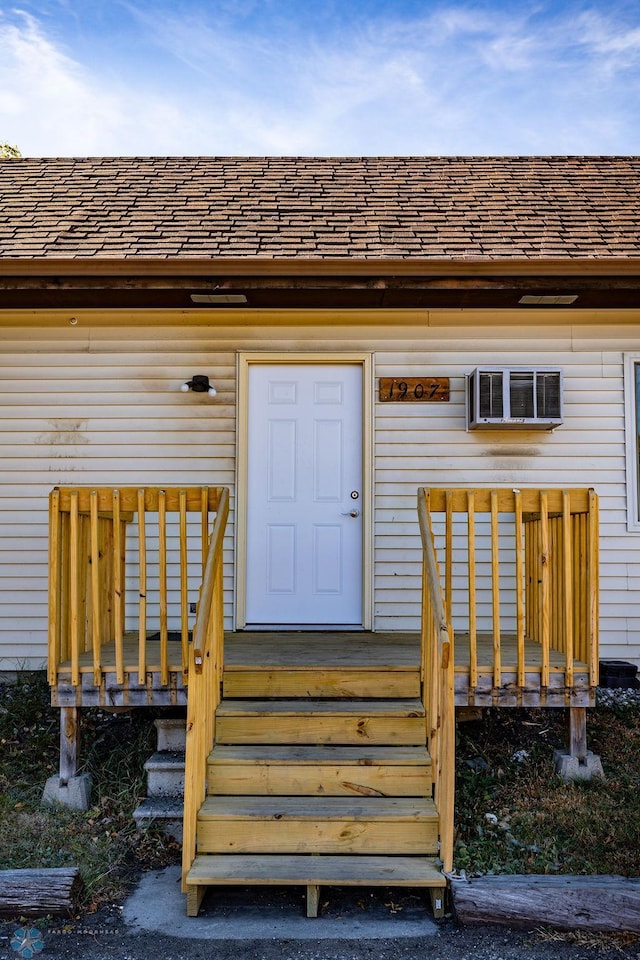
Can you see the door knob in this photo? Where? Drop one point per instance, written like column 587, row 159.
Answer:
column 351, row 513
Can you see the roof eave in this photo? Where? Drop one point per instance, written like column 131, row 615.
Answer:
column 299, row 266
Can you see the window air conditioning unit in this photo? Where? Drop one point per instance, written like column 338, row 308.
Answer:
column 514, row 397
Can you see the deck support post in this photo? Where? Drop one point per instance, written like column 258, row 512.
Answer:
column 437, row 897
column 68, row 788
column 195, row 896
column 578, row 733
column 69, row 744
column 578, row 763
column 313, row 899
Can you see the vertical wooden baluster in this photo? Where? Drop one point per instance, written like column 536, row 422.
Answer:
column 517, row 510
column 84, row 581
column 204, row 521
column 73, row 588
column 123, row 572
column 54, row 586
column 448, row 555
column 142, row 589
column 117, row 586
column 105, row 551
column 473, row 611
column 545, row 586
column 64, row 632
column 528, row 580
column 537, row 578
column 558, row 565
column 593, row 589
column 495, row 590
column 95, row 589
column 584, row 588
column 555, row 570
column 184, row 583
column 162, row 548
column 568, row 586
column 577, row 585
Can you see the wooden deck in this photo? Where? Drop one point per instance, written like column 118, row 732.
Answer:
column 343, row 652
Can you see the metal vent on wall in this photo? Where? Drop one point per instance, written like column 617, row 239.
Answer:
column 514, row 397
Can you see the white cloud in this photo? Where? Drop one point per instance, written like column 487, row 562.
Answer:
column 46, row 95
column 460, row 80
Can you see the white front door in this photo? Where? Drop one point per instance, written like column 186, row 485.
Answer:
column 304, row 504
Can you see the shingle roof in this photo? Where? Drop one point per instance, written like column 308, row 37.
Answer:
column 291, row 207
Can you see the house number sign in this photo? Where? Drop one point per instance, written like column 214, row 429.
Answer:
column 413, row 389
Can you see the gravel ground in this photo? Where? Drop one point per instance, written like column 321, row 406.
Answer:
column 105, row 938
column 618, row 696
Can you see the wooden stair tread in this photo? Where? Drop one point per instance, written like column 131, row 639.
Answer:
column 320, row 666
column 312, row 754
column 318, row 808
column 293, row 708
column 337, row 870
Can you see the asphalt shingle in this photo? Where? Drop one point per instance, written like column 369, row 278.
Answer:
column 493, row 208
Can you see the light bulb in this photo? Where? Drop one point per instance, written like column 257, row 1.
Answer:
column 185, row 388
column 212, row 391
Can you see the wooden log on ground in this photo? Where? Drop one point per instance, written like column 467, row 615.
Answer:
column 38, row 893
column 564, row 902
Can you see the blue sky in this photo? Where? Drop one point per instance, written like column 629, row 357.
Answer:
column 89, row 77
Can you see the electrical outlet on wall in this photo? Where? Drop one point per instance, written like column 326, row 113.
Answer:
column 192, row 607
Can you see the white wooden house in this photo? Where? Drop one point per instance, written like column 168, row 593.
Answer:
column 369, row 327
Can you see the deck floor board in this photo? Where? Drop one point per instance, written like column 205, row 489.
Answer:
column 336, row 652
column 344, row 649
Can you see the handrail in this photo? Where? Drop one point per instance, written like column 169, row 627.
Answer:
column 205, row 678
column 438, row 679
column 91, row 576
column 530, row 560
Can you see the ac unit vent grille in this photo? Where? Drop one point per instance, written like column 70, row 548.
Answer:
column 514, row 398
column 491, row 402
column 548, row 395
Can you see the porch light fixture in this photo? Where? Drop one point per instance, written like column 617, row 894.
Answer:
column 199, row 384
column 563, row 300
column 218, row 298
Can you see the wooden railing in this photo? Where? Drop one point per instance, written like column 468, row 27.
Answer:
column 437, row 679
column 205, row 680
column 107, row 545
column 523, row 564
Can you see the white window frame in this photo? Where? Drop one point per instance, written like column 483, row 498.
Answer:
column 632, row 440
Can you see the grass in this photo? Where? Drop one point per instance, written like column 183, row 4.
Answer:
column 513, row 815
column 103, row 841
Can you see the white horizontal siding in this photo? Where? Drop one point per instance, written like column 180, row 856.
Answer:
column 107, row 410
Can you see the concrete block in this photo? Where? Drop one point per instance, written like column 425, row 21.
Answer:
column 570, row 768
column 75, row 793
column 163, row 813
column 165, row 774
column 172, row 733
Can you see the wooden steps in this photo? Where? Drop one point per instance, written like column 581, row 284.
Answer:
column 318, row 790
column 301, row 869
column 398, row 722
column 327, row 770
column 314, row 872
column 317, row 825
column 322, row 682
